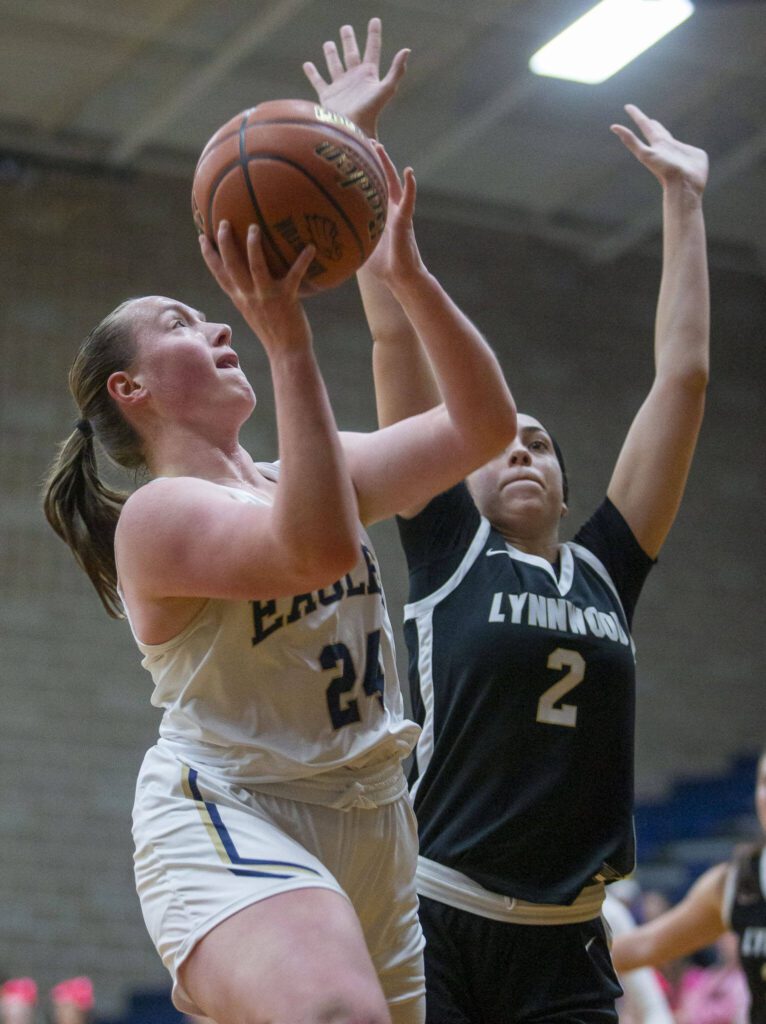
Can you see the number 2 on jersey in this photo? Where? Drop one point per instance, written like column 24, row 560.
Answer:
column 338, row 654
column 564, row 714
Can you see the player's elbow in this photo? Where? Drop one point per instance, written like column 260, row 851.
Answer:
column 320, row 565
column 696, row 379
column 494, row 432
column 341, row 556
column 689, row 371
column 684, row 387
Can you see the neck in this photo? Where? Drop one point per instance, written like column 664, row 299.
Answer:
column 543, row 545
column 185, row 453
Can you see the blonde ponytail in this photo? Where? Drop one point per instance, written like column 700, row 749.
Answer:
column 78, row 504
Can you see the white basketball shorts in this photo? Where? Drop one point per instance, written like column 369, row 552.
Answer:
column 206, row 848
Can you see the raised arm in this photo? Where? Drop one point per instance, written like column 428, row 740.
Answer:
column 442, row 398
column 652, row 468
column 404, row 381
column 183, row 537
column 692, row 924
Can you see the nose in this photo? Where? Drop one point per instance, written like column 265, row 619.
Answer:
column 518, row 455
column 221, row 335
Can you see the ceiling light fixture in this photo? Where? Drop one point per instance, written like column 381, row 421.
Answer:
column 607, row 37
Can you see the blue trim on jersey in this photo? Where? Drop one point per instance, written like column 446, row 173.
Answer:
column 228, row 843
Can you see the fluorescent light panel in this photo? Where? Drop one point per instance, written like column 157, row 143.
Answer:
column 607, row 37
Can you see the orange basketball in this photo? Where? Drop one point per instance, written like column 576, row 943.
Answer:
column 304, row 175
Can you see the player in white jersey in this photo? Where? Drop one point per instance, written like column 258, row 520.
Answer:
column 521, row 663
column 275, row 841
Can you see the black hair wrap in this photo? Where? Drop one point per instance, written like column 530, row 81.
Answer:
column 560, row 458
column 85, row 428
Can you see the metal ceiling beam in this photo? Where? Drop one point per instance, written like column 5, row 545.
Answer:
column 514, row 95
column 113, row 22
column 201, row 80
column 58, row 115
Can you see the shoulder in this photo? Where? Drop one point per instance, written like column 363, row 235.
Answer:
column 165, row 494
column 607, row 531
column 607, row 536
column 449, row 521
column 166, row 507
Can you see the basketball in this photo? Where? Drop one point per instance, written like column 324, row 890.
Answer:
column 304, row 175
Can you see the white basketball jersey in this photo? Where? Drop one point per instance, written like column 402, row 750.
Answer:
column 274, row 690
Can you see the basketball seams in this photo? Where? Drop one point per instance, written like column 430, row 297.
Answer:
column 278, row 158
column 370, row 168
column 308, row 157
column 244, row 161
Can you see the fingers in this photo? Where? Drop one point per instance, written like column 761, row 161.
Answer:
column 409, row 194
column 226, row 264
column 396, row 72
column 315, row 79
column 256, row 259
column 651, row 129
column 636, row 113
column 265, row 282
column 334, row 63
column 629, row 139
column 214, row 263
column 373, row 45
column 297, row 271
column 234, row 265
column 392, row 177
column 350, row 49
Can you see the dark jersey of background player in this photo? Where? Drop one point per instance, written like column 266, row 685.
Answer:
column 747, row 918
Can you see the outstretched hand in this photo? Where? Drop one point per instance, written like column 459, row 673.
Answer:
column 270, row 306
column 668, row 159
column 396, row 257
column 355, row 88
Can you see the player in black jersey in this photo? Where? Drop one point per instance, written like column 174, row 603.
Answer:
column 730, row 896
column 520, row 652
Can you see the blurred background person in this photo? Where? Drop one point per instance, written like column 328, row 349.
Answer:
column 644, row 1000
column 728, row 896
column 72, row 1001
column 18, row 999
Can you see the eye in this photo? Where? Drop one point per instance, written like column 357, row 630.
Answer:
column 538, row 445
column 178, row 321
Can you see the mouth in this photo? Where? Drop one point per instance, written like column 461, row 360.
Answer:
column 229, row 360
column 522, row 480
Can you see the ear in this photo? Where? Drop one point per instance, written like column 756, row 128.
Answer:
column 126, row 390
column 564, row 510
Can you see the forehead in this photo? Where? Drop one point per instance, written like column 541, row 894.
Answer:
column 150, row 308
column 530, row 424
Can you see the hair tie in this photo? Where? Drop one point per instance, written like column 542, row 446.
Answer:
column 85, row 427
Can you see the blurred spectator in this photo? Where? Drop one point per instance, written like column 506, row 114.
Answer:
column 72, row 1001
column 716, row 994
column 644, row 1001
column 18, row 999
column 652, row 903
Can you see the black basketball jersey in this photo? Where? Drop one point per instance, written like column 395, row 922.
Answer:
column 522, row 677
column 747, row 917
